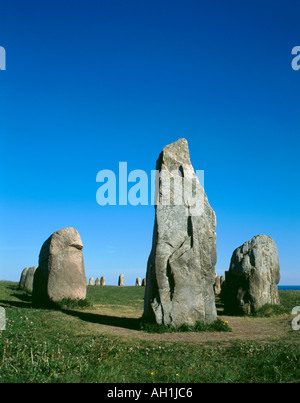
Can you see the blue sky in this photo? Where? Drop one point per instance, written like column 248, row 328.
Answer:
column 91, row 83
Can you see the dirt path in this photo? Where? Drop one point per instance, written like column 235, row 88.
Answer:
column 120, row 321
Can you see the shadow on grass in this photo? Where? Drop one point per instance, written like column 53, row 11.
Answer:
column 126, row 323
column 22, row 301
column 15, row 304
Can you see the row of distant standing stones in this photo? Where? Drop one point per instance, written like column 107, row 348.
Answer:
column 27, row 277
column 181, row 283
column 121, row 283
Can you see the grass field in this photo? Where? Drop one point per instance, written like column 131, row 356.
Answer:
column 103, row 343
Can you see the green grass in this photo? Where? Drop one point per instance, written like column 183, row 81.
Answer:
column 217, row 326
column 268, row 310
column 115, row 296
column 46, row 345
column 73, row 303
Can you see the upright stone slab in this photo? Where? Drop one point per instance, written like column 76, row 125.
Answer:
column 252, row 278
column 97, row 282
column 28, row 283
column 121, row 280
column 181, row 265
column 61, row 272
column 91, row 281
column 23, row 278
column 102, row 281
column 217, row 285
column 138, row 282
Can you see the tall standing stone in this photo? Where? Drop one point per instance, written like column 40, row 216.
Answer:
column 61, row 272
column 253, row 275
column 102, row 281
column 181, row 265
column 121, row 280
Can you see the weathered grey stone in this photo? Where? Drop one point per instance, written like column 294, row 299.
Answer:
column 97, row 282
column 28, row 283
column 138, row 282
column 61, row 272
column 217, row 285
column 253, row 275
column 91, row 281
column 102, row 281
column 121, row 280
column 180, row 270
column 144, row 282
column 22, row 278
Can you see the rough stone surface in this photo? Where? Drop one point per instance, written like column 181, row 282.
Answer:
column 217, row 285
column 28, row 283
column 22, row 278
column 102, row 281
column 144, row 282
column 180, row 270
column 91, row 281
column 138, row 282
column 253, row 275
column 121, row 280
column 97, row 282
column 61, row 272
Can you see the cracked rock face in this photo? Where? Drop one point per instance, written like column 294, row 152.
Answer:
column 181, row 265
column 61, row 272
column 253, row 275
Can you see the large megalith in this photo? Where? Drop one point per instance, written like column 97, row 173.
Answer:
column 252, row 278
column 61, row 272
column 181, row 265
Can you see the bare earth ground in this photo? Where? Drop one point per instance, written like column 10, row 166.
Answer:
column 243, row 328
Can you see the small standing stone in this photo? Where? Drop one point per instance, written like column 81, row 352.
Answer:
column 97, row 282
column 91, row 281
column 144, row 282
column 23, row 278
column 121, row 280
column 61, row 272
column 28, row 284
column 138, row 282
column 217, row 285
column 252, row 278
column 102, row 281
